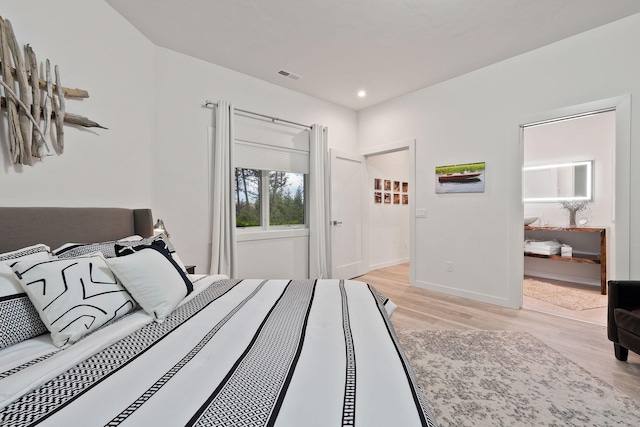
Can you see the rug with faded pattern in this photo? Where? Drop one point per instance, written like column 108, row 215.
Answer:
column 500, row 378
column 567, row 295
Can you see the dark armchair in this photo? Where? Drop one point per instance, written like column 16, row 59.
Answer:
column 623, row 317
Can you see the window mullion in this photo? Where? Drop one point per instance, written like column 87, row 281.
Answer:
column 305, row 198
column 264, row 206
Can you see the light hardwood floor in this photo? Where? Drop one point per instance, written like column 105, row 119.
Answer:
column 584, row 343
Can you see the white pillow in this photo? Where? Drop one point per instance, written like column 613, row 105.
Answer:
column 73, row 296
column 154, row 281
column 19, row 319
column 167, row 243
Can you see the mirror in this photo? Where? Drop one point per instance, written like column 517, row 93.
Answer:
column 558, row 182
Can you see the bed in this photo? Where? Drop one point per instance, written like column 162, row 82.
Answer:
column 228, row 352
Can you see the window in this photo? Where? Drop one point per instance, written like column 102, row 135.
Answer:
column 276, row 198
column 248, row 184
column 271, row 168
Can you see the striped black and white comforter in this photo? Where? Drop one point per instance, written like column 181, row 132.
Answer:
column 234, row 353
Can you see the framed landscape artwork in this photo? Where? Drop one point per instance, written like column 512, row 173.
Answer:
column 462, row 178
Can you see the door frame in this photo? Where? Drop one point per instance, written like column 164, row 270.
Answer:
column 621, row 209
column 407, row 144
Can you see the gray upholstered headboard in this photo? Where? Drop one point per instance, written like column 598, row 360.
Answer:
column 25, row 226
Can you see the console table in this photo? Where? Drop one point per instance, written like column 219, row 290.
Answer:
column 579, row 253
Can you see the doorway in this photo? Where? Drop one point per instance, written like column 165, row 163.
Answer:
column 391, row 226
column 406, row 194
column 362, row 240
column 389, row 181
column 571, row 289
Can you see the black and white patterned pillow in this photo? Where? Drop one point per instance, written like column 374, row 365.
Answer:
column 158, row 238
column 30, row 252
column 19, row 320
column 73, row 296
column 71, row 250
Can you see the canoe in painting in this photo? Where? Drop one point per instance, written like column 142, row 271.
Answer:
column 458, row 177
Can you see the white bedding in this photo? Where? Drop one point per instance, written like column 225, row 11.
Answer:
column 250, row 352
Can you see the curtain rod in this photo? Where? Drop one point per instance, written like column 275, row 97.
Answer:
column 208, row 103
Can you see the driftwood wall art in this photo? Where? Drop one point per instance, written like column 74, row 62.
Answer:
column 34, row 105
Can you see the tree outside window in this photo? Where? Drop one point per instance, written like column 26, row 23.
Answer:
column 284, row 205
column 248, row 197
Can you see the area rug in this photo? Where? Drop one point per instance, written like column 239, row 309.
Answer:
column 498, row 378
column 574, row 298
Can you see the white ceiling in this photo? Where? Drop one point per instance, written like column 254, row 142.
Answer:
column 387, row 47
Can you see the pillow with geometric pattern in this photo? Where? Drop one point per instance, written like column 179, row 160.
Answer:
column 19, row 320
column 71, row 250
column 73, row 296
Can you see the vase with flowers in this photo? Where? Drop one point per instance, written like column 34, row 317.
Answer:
column 574, row 206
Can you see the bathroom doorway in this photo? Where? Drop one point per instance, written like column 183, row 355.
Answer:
column 569, row 289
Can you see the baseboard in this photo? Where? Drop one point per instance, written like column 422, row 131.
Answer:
column 387, row 264
column 475, row 296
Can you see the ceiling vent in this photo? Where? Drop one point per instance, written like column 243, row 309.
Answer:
column 289, row 74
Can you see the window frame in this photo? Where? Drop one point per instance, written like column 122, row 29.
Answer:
column 265, row 228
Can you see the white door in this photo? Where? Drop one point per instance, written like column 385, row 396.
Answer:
column 349, row 214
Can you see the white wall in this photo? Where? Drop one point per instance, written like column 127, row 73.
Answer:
column 476, row 117
column 96, row 50
column 151, row 99
column 179, row 158
column 153, row 153
column 285, row 257
column 388, row 223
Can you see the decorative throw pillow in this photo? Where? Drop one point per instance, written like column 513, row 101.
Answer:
column 164, row 239
column 73, row 296
column 70, row 250
column 157, row 238
column 152, row 276
column 19, row 319
column 30, row 252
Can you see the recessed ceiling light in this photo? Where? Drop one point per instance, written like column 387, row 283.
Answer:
column 362, row 93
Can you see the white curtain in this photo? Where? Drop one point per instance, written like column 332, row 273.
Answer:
column 318, row 203
column 223, row 215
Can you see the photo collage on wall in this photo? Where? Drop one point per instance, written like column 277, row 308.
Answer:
column 390, row 192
